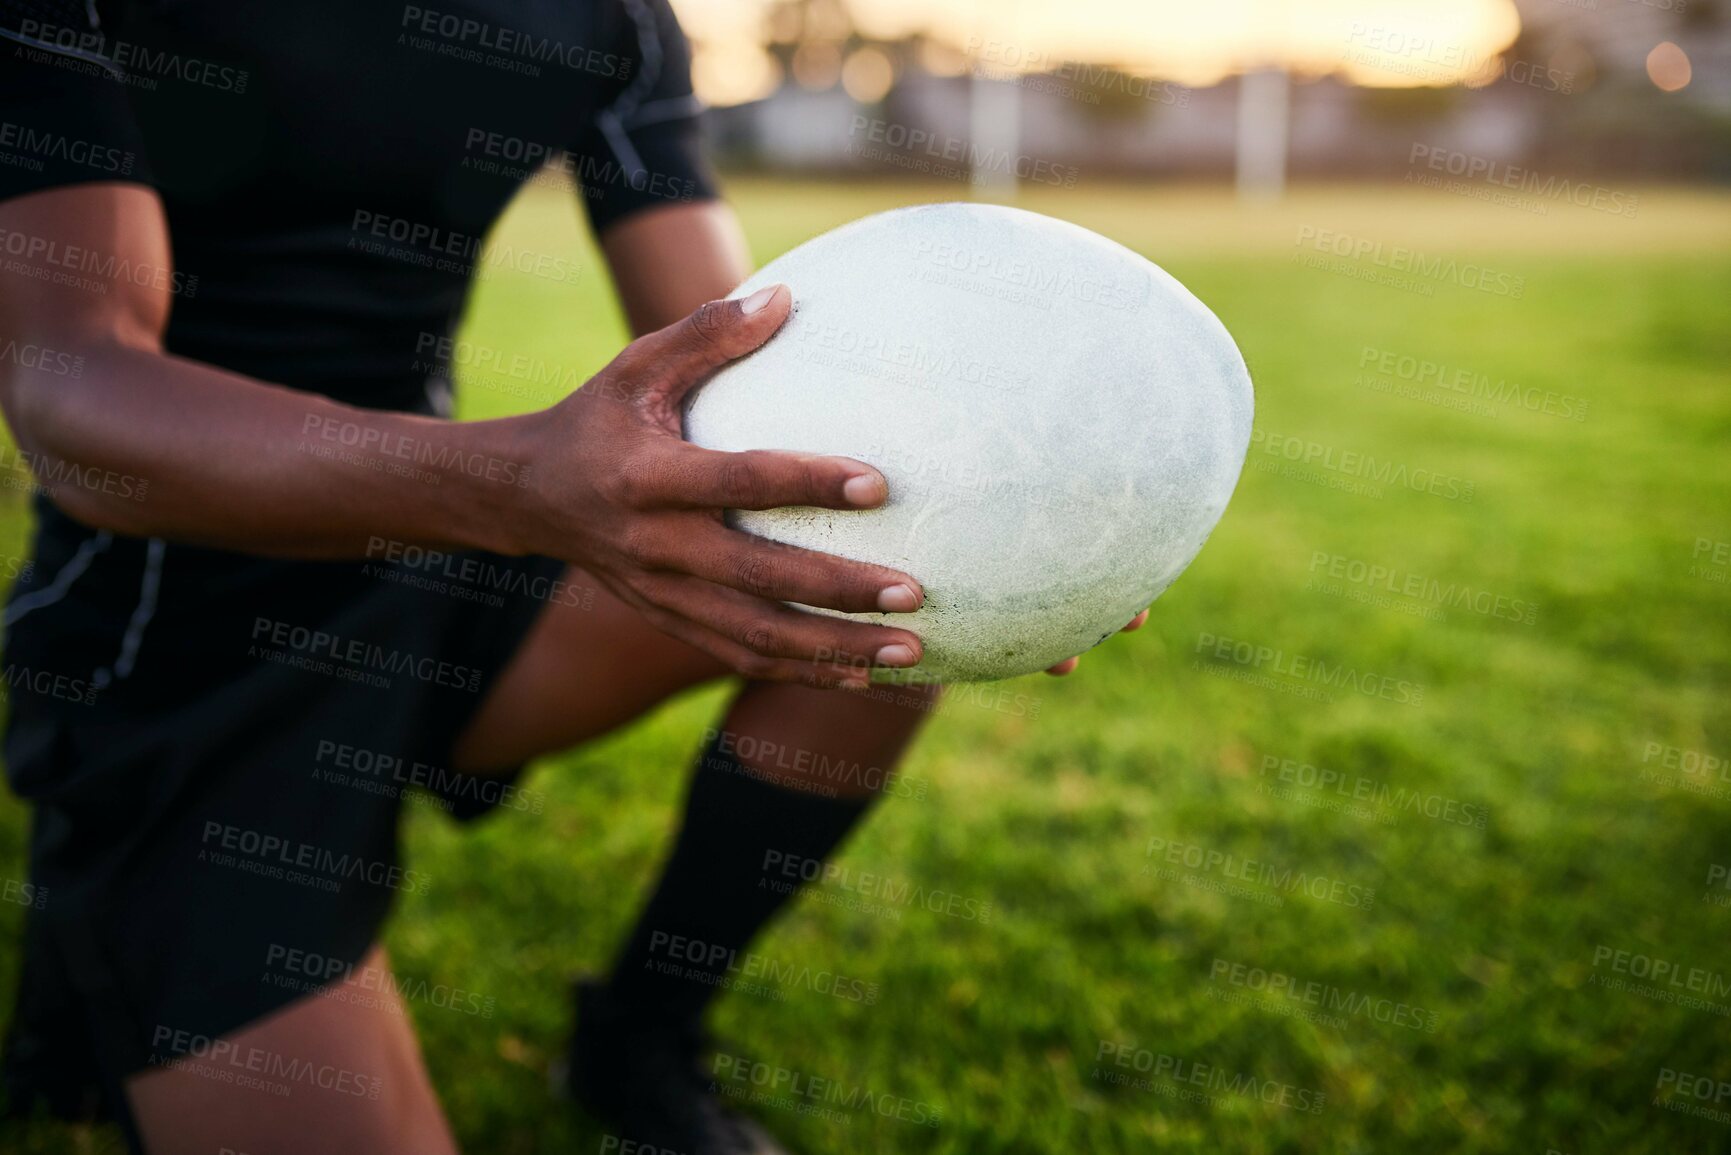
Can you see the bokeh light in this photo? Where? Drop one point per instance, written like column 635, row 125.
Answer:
column 1668, row 66
column 733, row 71
column 817, row 65
column 1389, row 43
column 867, row 75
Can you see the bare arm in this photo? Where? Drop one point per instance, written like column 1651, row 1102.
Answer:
column 601, row 479
column 667, row 261
column 225, row 460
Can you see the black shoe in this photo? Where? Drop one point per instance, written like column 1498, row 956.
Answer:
column 646, row 1079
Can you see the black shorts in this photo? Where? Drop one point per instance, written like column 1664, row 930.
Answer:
column 216, row 748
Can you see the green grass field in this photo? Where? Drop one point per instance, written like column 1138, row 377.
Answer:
column 1468, row 991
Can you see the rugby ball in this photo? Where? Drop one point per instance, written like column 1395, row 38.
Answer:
column 1061, row 424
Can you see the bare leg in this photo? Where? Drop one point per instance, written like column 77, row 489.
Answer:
column 355, row 1083
column 798, row 736
column 579, row 675
column 790, row 771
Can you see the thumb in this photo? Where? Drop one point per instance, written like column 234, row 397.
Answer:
column 684, row 353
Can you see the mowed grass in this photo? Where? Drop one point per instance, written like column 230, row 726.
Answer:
column 1450, row 975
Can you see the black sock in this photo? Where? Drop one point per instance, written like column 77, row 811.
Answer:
column 736, row 862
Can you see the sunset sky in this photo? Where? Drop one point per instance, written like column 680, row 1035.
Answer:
column 1396, row 42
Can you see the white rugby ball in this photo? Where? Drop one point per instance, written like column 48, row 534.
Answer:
column 1060, row 422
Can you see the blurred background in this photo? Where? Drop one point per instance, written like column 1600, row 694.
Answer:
column 1251, row 90
column 1478, row 256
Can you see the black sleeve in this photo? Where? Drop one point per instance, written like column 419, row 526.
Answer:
column 64, row 115
column 643, row 147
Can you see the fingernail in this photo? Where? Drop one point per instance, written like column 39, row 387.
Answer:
column 757, row 300
column 898, row 600
column 896, row 654
column 865, row 490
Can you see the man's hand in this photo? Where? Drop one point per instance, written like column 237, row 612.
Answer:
column 618, row 491
column 611, row 485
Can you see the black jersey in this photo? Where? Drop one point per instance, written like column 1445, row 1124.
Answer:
column 330, row 167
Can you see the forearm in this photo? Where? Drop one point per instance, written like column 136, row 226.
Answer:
column 667, row 261
column 147, row 444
